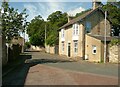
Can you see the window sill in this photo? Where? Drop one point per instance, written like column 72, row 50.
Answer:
column 62, row 39
column 75, row 37
column 93, row 53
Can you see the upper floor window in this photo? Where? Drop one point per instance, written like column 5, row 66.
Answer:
column 75, row 29
column 62, row 33
column 88, row 27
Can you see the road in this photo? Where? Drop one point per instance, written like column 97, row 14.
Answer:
column 47, row 69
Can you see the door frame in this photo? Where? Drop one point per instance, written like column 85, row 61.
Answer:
column 68, row 44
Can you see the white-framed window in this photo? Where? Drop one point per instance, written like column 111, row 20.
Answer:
column 75, row 46
column 62, row 33
column 63, row 46
column 94, row 49
column 75, row 29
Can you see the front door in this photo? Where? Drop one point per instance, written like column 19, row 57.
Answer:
column 68, row 49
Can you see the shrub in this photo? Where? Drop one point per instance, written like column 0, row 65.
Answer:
column 27, row 45
column 114, row 42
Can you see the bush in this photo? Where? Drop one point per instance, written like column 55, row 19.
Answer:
column 114, row 42
column 27, row 45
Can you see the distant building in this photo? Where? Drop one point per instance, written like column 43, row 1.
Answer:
column 19, row 40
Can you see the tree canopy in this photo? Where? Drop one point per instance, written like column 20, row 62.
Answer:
column 36, row 28
column 13, row 22
column 55, row 21
column 36, row 31
column 79, row 14
column 113, row 10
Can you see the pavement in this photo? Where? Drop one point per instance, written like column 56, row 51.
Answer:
column 47, row 69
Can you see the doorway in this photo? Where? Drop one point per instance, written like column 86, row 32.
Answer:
column 69, row 50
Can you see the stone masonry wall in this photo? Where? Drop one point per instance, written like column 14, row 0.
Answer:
column 3, row 50
column 113, row 54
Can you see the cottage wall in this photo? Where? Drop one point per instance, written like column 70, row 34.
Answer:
column 97, row 20
column 90, row 41
column 68, row 39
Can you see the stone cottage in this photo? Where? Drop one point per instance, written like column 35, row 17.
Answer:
column 72, row 36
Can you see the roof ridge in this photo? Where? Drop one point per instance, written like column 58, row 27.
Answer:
column 79, row 18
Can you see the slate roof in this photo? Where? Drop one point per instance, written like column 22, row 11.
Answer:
column 100, row 37
column 79, row 18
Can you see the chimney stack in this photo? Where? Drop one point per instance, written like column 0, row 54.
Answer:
column 70, row 18
column 95, row 4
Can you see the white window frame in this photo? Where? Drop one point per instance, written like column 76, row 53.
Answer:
column 75, row 29
column 62, row 33
column 94, row 49
column 75, row 46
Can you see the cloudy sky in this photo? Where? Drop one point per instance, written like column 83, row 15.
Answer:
column 46, row 8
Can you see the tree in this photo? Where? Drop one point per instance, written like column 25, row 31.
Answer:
column 36, row 28
column 79, row 14
column 36, row 31
column 27, row 45
column 113, row 10
column 58, row 18
column 55, row 21
column 13, row 22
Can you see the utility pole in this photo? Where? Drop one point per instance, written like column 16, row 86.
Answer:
column 1, row 48
column 105, row 38
column 45, row 37
column 23, row 48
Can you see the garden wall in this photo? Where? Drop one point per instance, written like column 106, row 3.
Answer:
column 3, row 50
column 113, row 54
column 14, row 51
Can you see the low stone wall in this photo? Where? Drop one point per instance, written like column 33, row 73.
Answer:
column 14, row 52
column 3, row 50
column 37, row 48
column 113, row 54
column 52, row 49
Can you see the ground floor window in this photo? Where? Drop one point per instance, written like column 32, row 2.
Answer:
column 62, row 46
column 94, row 49
column 75, row 46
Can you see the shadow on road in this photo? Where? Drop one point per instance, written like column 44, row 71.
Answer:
column 17, row 76
column 33, row 62
column 16, row 71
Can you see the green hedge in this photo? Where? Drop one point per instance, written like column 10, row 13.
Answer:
column 114, row 42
